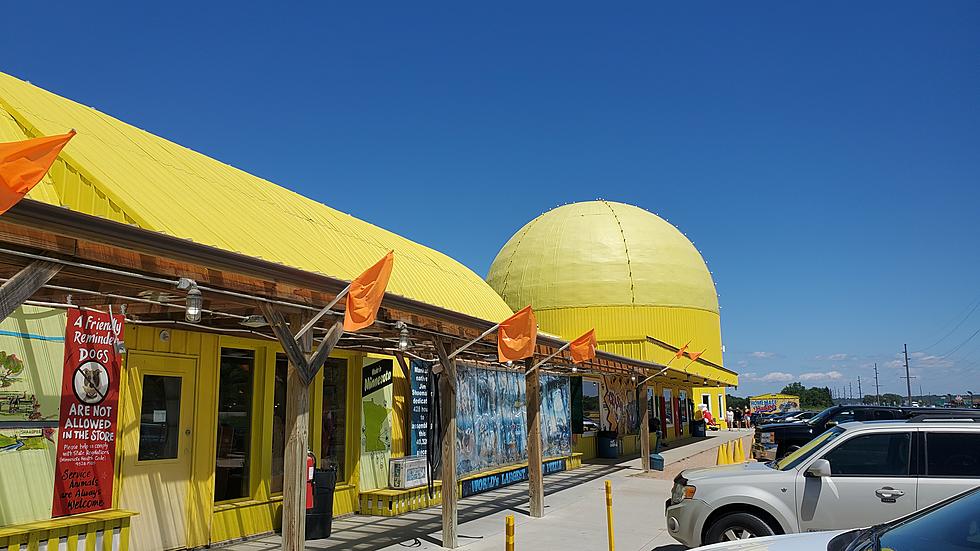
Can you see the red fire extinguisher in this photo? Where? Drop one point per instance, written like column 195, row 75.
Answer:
column 310, row 466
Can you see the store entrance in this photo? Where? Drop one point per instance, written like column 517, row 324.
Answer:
column 156, row 463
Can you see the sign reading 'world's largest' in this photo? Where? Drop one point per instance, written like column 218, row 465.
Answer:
column 87, row 424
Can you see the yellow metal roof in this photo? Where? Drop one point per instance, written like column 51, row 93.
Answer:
column 117, row 171
column 601, row 253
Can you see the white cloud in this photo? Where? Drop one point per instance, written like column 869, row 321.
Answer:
column 763, row 355
column 839, row 357
column 774, row 377
column 817, row 376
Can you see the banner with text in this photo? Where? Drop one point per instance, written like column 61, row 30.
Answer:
column 87, row 423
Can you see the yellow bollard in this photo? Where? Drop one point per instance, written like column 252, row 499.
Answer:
column 722, row 458
column 510, row 533
column 609, row 516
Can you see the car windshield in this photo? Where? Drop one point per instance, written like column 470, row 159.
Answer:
column 953, row 526
column 795, row 458
column 821, row 417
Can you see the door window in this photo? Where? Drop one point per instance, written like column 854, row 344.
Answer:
column 159, row 418
column 953, row 454
column 872, row 455
column 234, row 446
column 279, row 423
column 844, row 416
column 334, row 436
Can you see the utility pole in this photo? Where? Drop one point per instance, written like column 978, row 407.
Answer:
column 850, row 390
column 908, row 377
column 877, row 391
column 860, row 394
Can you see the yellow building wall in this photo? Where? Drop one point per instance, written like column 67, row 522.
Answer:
column 210, row 522
column 624, row 330
column 717, row 408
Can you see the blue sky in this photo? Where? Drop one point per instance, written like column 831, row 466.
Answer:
column 823, row 157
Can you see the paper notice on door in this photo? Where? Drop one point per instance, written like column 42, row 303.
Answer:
column 159, row 416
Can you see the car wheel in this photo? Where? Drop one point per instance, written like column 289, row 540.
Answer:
column 737, row 526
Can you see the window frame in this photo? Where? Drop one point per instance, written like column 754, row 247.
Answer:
column 912, row 456
column 181, row 389
column 256, row 464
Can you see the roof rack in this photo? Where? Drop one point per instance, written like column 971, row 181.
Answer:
column 941, row 417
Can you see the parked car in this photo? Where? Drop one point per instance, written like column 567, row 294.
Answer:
column 775, row 440
column 950, row 524
column 852, row 475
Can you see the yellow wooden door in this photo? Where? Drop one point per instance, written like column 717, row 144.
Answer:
column 156, row 464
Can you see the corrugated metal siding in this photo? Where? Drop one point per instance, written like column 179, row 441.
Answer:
column 117, row 171
column 623, row 330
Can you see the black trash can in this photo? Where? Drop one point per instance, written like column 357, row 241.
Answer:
column 698, row 428
column 607, row 444
column 319, row 519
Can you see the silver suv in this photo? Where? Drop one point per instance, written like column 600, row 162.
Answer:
column 853, row 475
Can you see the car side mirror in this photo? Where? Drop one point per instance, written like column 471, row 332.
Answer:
column 830, row 424
column 818, row 469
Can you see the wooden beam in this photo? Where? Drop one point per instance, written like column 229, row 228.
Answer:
column 25, row 283
column 326, row 346
column 293, row 350
column 644, row 428
column 532, row 379
column 297, row 442
column 447, row 436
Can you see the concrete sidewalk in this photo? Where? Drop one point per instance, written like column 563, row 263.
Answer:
column 575, row 516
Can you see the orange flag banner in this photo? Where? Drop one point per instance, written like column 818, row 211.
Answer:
column 23, row 164
column 583, row 348
column 365, row 294
column 695, row 355
column 517, row 335
column 682, row 350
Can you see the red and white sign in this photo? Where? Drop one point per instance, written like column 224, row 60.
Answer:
column 89, row 403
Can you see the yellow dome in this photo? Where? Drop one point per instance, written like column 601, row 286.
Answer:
column 601, row 253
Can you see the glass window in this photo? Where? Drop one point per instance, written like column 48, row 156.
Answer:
column 844, row 416
column 871, row 455
column 235, row 383
column 159, row 418
column 590, row 405
column 334, row 436
column 279, row 422
column 953, row 454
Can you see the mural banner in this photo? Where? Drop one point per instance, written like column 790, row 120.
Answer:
column 619, row 405
column 87, row 423
column 491, row 418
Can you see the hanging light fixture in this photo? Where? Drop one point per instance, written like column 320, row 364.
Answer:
column 194, row 301
column 403, row 341
column 574, row 369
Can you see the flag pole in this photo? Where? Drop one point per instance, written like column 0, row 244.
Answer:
column 474, row 341
column 309, row 325
column 557, row 352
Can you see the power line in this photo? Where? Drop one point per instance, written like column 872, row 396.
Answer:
column 958, row 325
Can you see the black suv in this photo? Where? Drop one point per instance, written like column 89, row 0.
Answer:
column 774, row 440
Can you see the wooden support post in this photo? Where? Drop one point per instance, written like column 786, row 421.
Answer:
column 302, row 368
column 447, row 406
column 25, row 283
column 297, row 443
column 534, row 458
column 644, row 429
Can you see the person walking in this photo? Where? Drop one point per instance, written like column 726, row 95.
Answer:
column 730, row 418
column 738, row 418
column 748, row 418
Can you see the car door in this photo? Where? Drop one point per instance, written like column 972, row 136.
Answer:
column 871, row 482
column 952, row 464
